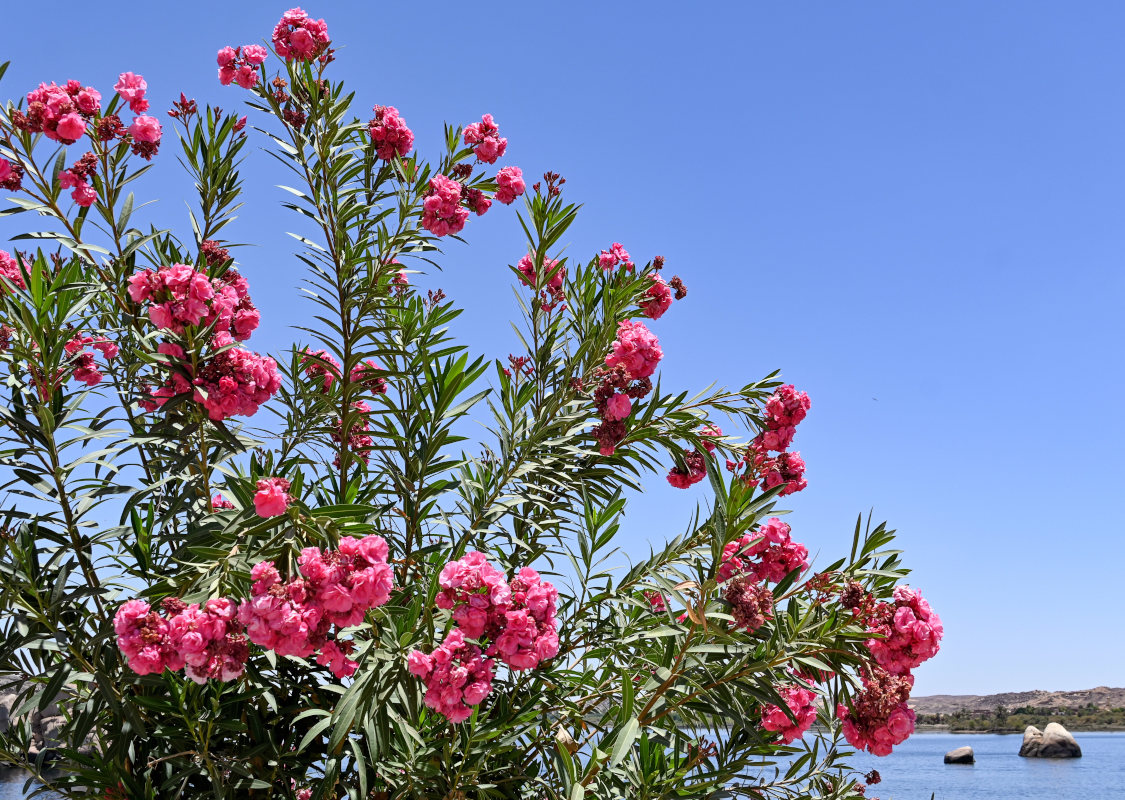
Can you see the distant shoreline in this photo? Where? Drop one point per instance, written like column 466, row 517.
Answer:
column 1014, row 731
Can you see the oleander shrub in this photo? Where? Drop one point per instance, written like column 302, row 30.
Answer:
column 243, row 575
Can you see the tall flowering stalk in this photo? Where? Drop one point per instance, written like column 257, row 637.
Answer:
column 243, row 575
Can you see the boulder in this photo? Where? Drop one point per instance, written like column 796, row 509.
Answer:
column 962, row 755
column 1054, row 741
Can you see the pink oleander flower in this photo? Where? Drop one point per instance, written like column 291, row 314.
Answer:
column 272, row 497
column 71, row 127
column 456, row 674
column 618, row 407
column 239, row 65
column 485, row 140
column 146, row 133
column 802, row 704
column 657, row 298
column 786, row 469
column 693, row 471
column 145, row 129
column 131, row 88
column 220, row 503
column 142, row 636
column 442, row 213
column 319, row 365
column 517, row 618
column 526, row 267
column 11, row 175
column 297, row 37
column 616, row 254
column 370, row 375
column 509, row 185
column 636, row 349
column 786, row 407
column 879, row 717
column 769, row 554
column 254, row 54
column 389, row 133
column 656, row 601
column 82, row 362
column 9, row 269
column 911, row 632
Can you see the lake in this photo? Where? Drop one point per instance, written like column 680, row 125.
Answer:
column 915, row 770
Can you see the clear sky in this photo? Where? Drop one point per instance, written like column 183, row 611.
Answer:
column 914, row 210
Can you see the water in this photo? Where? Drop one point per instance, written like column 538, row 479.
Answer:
column 915, row 770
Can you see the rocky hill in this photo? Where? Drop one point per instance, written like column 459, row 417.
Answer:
column 1101, row 696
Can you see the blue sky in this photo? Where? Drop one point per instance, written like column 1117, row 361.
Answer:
column 914, row 210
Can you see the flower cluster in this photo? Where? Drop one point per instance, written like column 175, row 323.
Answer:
column 358, row 440
column 235, row 381
column 911, row 632
column 516, row 620
column 751, row 603
column 205, row 642
column 220, row 503
column 484, row 139
column 181, row 295
column 552, row 293
column 336, row 588
column 75, row 178
column 370, row 375
column 613, row 400
column 657, row 298
column 636, row 348
column 297, row 37
column 802, row 706
column 240, row 65
column 784, row 410
column 615, row 255
column 82, row 360
column 456, row 674
column 529, row 633
column 631, row 361
column 769, row 555
column 695, row 463
column 878, row 717
column 389, row 133
column 656, row 601
column 442, row 212
column 60, row 112
column 272, row 497
column 228, row 380
column 509, row 185
column 11, row 175
column 319, row 365
column 10, row 270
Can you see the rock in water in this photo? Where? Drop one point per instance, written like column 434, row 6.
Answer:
column 962, row 755
column 1054, row 741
